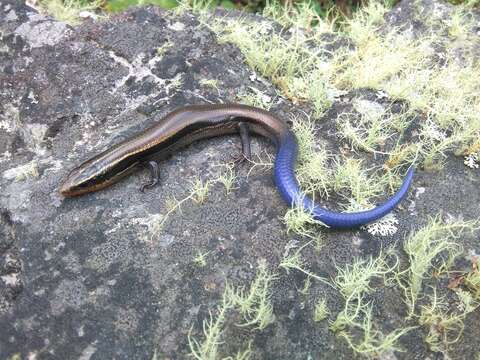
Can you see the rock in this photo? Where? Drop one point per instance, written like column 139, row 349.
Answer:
column 100, row 276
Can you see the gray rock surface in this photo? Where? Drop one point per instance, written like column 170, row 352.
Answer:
column 93, row 277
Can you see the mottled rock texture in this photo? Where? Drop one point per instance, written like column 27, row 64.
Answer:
column 91, row 277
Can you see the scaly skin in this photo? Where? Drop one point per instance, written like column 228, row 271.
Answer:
column 289, row 189
column 185, row 125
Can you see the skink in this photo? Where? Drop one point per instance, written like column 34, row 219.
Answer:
column 185, row 125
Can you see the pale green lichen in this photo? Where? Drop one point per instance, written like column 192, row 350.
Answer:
column 427, row 244
column 355, row 322
column 321, row 311
column 253, row 303
column 70, row 10
column 445, row 327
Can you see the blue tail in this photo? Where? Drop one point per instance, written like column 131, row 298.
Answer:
column 290, row 191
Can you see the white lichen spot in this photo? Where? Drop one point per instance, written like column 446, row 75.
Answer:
column 357, row 241
column 11, row 16
column 137, row 70
column 34, row 137
column 386, row 226
column 151, row 226
column 382, row 94
column 333, row 94
column 10, row 118
column 40, row 292
column 10, row 279
column 5, row 125
column 85, row 14
column 369, row 109
column 114, row 229
column 27, row 60
column 22, row 172
column 165, row 240
column 33, row 4
column 292, row 244
column 88, row 352
column 419, row 191
column 472, row 160
column 38, row 32
column 87, row 119
column 433, row 132
column 53, row 165
column 6, row 156
column 4, row 49
column 48, row 255
column 81, row 331
column 37, row 134
column 32, row 98
column 177, row 26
